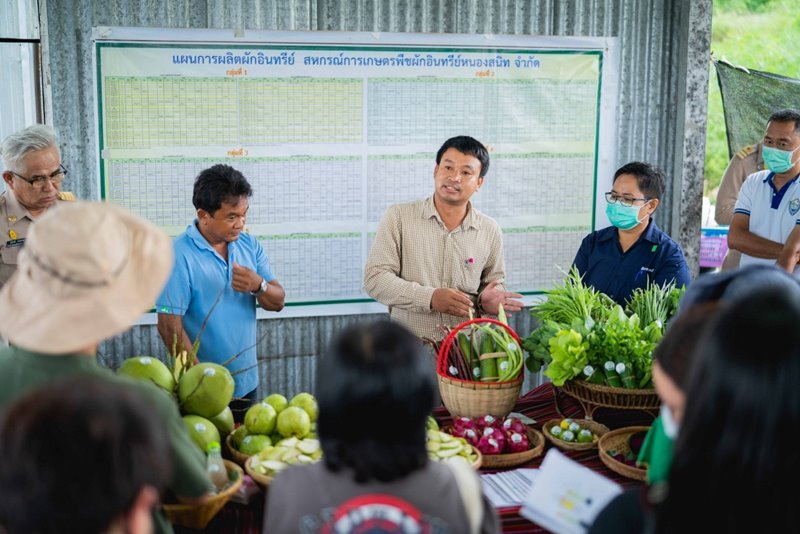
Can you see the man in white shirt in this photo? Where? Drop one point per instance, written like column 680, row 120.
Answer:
column 769, row 202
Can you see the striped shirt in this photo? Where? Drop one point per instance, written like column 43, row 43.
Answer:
column 414, row 254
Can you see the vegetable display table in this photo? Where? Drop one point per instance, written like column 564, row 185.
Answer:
column 539, row 404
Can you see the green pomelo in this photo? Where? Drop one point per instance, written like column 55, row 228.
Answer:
column 205, row 389
column 223, row 421
column 294, row 421
column 201, row 430
column 149, row 368
column 254, row 443
column 277, row 401
column 260, row 418
column 239, row 434
column 307, row 402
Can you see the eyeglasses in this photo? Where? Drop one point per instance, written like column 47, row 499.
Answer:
column 37, row 182
column 612, row 197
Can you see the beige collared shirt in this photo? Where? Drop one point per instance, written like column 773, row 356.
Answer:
column 15, row 222
column 414, row 254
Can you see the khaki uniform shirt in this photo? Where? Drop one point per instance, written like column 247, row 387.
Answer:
column 414, row 254
column 15, row 221
column 747, row 161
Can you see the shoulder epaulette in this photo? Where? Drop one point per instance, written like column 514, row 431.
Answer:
column 66, row 195
column 746, row 151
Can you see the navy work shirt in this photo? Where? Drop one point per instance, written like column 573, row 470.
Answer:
column 654, row 256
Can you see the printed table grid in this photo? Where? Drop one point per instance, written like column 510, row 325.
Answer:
column 317, row 267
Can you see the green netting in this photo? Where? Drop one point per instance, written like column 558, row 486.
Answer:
column 749, row 97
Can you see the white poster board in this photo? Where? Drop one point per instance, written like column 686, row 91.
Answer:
column 330, row 128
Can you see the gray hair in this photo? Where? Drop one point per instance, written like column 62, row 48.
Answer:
column 18, row 144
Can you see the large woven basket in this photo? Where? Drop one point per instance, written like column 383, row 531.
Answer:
column 593, row 396
column 617, row 441
column 467, row 398
column 197, row 516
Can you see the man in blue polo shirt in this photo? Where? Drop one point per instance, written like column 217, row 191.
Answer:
column 768, row 207
column 220, row 273
column 633, row 251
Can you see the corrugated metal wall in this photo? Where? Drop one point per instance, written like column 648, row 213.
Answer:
column 664, row 57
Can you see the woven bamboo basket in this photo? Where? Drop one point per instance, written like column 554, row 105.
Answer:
column 197, row 516
column 617, row 441
column 235, row 455
column 262, row 480
column 535, row 438
column 593, row 396
column 467, row 398
column 597, row 429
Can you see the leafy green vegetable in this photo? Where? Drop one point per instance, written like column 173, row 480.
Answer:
column 569, row 356
column 572, row 300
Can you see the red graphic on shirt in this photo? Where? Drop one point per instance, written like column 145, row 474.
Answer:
column 376, row 514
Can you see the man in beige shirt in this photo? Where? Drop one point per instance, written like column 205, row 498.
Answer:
column 33, row 175
column 746, row 162
column 436, row 260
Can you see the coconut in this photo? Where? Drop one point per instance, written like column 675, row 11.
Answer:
column 223, row 421
column 148, row 368
column 205, row 389
column 201, row 430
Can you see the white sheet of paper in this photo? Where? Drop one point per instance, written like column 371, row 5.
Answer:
column 567, row 496
column 508, row 488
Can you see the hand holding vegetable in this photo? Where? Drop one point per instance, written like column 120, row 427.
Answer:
column 451, row 301
column 493, row 296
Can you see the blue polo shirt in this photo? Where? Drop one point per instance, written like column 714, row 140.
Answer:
column 655, row 257
column 198, row 277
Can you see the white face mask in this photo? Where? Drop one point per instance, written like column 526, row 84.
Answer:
column 668, row 422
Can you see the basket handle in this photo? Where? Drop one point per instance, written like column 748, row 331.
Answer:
column 441, row 358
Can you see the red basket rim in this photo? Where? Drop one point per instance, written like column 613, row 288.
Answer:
column 441, row 357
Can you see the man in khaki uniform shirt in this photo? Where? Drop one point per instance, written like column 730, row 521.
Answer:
column 434, row 261
column 744, row 163
column 33, row 175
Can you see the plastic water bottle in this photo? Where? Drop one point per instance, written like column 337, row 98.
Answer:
column 217, row 472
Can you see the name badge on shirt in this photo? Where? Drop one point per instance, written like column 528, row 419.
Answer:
column 12, row 243
column 644, row 271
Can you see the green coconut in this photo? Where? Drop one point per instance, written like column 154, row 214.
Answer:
column 223, row 421
column 205, row 389
column 149, row 368
column 201, row 430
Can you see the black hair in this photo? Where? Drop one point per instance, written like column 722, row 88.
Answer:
column 375, row 388
column 736, row 458
column 217, row 185
column 787, row 115
column 649, row 178
column 75, row 455
column 469, row 146
column 676, row 351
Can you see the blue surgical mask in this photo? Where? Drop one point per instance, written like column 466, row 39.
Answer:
column 623, row 217
column 668, row 422
column 778, row 160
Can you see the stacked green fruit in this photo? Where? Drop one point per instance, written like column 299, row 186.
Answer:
column 442, row 446
column 275, row 419
column 202, row 391
column 290, row 451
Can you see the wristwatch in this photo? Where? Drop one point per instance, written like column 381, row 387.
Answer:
column 261, row 289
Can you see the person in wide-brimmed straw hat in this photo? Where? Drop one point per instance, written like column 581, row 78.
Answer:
column 87, row 272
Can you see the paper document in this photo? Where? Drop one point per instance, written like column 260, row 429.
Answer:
column 508, row 488
column 566, row 496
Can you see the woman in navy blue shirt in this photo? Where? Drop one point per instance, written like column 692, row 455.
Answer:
column 625, row 256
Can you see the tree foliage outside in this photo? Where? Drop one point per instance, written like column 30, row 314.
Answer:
column 757, row 34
